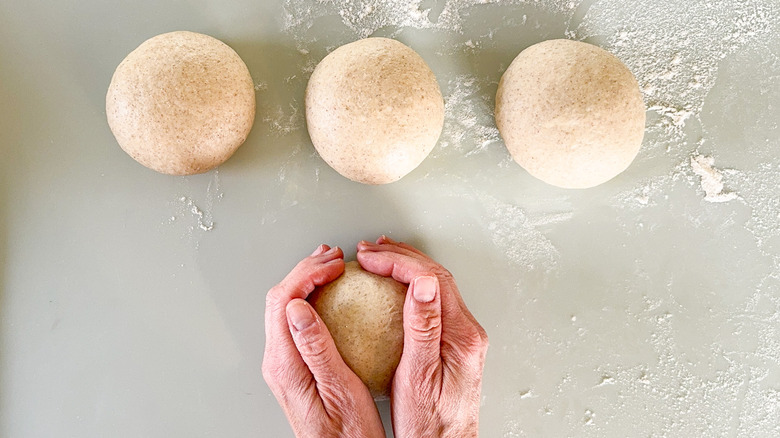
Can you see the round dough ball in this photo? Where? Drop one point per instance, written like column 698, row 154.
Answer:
column 374, row 110
column 364, row 314
column 570, row 113
column 181, row 103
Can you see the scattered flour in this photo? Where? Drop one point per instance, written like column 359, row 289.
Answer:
column 711, row 179
column 518, row 236
column 674, row 119
column 760, row 189
column 364, row 17
column 468, row 117
column 675, row 61
column 284, row 120
column 676, row 57
column 203, row 223
column 197, row 217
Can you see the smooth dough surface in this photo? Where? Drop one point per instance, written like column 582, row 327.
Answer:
column 570, row 113
column 374, row 110
column 364, row 314
column 181, row 103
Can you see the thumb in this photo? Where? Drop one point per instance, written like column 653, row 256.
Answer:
column 315, row 344
column 422, row 322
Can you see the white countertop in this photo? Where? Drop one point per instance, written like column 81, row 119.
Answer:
column 131, row 303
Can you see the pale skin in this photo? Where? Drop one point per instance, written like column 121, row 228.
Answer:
column 436, row 387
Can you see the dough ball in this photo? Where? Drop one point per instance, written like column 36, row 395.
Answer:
column 181, row 103
column 570, row 113
column 374, row 110
column 364, row 314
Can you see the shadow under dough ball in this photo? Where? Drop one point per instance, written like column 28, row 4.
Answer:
column 364, row 314
column 181, row 103
column 570, row 113
column 374, row 110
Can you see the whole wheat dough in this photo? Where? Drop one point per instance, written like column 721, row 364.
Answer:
column 181, row 103
column 570, row 113
column 364, row 314
column 374, row 110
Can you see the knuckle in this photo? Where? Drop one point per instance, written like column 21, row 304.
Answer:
column 273, row 297
column 273, row 374
column 270, row 297
column 447, row 274
column 484, row 341
column 474, row 342
column 274, row 305
column 477, row 339
column 443, row 273
column 314, row 347
column 426, row 327
column 297, row 284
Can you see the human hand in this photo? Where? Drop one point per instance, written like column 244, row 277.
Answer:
column 318, row 392
column 436, row 388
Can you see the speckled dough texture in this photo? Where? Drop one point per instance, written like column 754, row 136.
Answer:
column 570, row 113
column 374, row 110
column 181, row 103
column 364, row 314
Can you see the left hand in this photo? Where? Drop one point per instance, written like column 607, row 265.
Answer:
column 319, row 393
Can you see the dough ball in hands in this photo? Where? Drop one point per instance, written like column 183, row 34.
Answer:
column 364, row 314
column 181, row 103
column 374, row 110
column 570, row 113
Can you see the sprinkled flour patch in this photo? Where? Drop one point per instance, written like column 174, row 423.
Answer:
column 518, row 235
column 283, row 121
column 468, row 118
column 364, row 17
column 676, row 56
column 196, row 213
column 711, row 179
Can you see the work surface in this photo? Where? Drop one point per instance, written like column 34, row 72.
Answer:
column 132, row 302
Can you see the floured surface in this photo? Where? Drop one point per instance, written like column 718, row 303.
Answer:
column 648, row 306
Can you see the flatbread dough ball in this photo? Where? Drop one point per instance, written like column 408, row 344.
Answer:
column 364, row 314
column 181, row 103
column 570, row 113
column 374, row 110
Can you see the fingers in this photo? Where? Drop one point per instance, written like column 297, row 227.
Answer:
column 320, row 249
column 320, row 395
column 316, row 347
column 281, row 361
column 422, row 330
column 404, row 264
column 392, row 261
column 384, row 239
column 323, row 266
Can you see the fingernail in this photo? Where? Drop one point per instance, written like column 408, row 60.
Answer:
column 300, row 315
column 424, row 289
column 320, row 249
column 332, row 250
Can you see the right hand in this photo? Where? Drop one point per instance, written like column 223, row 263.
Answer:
column 437, row 385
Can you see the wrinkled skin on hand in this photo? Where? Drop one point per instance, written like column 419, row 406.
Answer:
column 318, row 392
column 436, row 387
